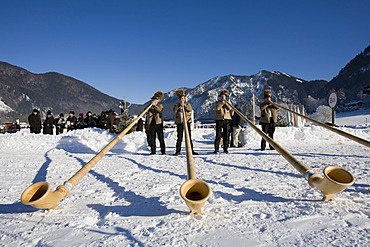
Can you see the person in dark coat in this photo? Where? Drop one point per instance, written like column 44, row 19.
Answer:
column 81, row 121
column 113, row 121
column 71, row 121
column 268, row 117
column 96, row 120
column 34, row 120
column 103, row 120
column 60, row 124
column 89, row 120
column 48, row 124
column 116, row 123
column 236, row 129
column 110, row 120
column 140, row 125
column 230, row 136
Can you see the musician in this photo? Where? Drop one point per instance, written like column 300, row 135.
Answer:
column 222, row 118
column 179, row 120
column 268, row 117
column 154, row 124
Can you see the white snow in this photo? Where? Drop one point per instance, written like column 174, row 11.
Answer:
column 359, row 117
column 298, row 80
column 4, row 107
column 132, row 199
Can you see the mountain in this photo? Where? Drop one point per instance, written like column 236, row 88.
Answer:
column 352, row 79
column 21, row 91
column 286, row 89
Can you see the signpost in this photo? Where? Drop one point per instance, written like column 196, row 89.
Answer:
column 332, row 102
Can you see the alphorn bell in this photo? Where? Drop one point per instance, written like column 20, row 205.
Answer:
column 335, row 179
column 38, row 195
column 195, row 192
column 339, row 132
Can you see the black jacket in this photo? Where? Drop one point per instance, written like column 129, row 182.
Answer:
column 236, row 120
column 35, row 123
column 48, row 126
column 71, row 122
column 90, row 122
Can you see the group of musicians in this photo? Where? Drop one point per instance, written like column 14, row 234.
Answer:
column 224, row 112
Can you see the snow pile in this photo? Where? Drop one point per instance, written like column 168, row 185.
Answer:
column 132, row 199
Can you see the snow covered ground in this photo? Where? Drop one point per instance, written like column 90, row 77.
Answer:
column 132, row 199
column 359, row 117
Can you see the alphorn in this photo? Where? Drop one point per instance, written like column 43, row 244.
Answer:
column 335, row 179
column 38, row 195
column 195, row 192
column 339, row 132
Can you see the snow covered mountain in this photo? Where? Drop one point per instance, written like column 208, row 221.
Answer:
column 286, row 89
column 21, row 90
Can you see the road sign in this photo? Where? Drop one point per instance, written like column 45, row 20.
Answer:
column 332, row 100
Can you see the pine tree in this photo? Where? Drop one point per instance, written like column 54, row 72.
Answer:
column 125, row 119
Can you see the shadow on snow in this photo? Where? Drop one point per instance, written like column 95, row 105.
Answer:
column 139, row 205
column 248, row 193
column 18, row 207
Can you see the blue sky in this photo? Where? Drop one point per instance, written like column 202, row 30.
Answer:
column 133, row 48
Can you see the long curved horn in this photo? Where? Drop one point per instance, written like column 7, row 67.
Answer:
column 336, row 179
column 339, row 132
column 38, row 195
column 195, row 192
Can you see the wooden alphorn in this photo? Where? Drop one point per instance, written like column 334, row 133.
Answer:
column 38, row 195
column 335, row 179
column 195, row 192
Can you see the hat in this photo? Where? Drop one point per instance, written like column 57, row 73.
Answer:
column 72, row 112
column 267, row 93
column 35, row 110
column 61, row 115
column 158, row 96
column 48, row 113
column 224, row 92
column 81, row 114
column 180, row 93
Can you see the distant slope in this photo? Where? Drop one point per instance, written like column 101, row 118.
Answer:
column 352, row 79
column 21, row 91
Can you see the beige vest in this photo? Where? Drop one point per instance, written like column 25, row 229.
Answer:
column 179, row 116
column 154, row 112
column 268, row 110
column 222, row 111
